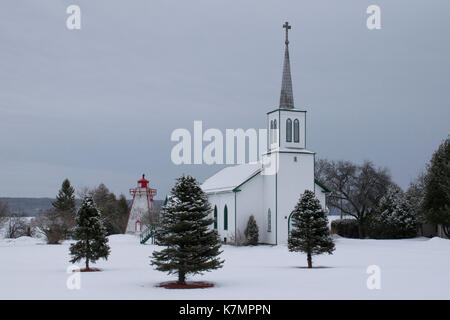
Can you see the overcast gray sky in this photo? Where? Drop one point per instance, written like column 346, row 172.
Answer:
column 99, row 104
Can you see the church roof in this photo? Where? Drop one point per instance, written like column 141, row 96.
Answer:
column 324, row 188
column 230, row 177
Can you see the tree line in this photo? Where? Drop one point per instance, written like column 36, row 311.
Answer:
column 380, row 207
column 59, row 222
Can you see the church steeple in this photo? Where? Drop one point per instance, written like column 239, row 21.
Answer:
column 286, row 97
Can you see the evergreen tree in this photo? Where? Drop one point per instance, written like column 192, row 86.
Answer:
column 310, row 233
column 5, row 212
column 415, row 197
column 92, row 242
column 192, row 246
column 114, row 211
column 123, row 211
column 393, row 217
column 436, row 202
column 64, row 210
column 65, row 200
column 251, row 232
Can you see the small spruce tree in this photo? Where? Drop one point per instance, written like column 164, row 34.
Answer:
column 251, row 232
column 310, row 233
column 192, row 246
column 92, row 242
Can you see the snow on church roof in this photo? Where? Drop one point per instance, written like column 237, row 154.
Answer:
column 230, row 177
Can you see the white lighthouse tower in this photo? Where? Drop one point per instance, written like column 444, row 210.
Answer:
column 141, row 206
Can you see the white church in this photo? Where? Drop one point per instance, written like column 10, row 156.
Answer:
column 237, row 192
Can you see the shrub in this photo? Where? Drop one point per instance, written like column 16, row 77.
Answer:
column 251, row 232
column 237, row 239
column 347, row 228
column 50, row 223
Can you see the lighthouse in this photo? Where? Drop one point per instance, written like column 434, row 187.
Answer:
column 141, row 206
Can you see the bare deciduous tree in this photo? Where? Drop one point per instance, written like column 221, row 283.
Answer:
column 356, row 189
column 17, row 226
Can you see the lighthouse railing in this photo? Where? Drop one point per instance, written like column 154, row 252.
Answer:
column 146, row 234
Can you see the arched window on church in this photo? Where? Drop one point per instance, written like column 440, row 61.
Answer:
column 296, row 131
column 269, row 221
column 271, row 132
column 288, row 130
column 215, row 217
column 275, row 138
column 225, row 218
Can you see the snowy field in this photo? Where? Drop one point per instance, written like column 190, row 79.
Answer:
column 410, row 269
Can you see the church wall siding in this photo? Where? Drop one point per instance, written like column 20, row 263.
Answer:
column 249, row 201
column 320, row 195
column 220, row 200
column 294, row 177
column 278, row 192
column 269, row 195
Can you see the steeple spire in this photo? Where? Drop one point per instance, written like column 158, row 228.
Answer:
column 286, row 97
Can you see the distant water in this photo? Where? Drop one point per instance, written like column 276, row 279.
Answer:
column 32, row 206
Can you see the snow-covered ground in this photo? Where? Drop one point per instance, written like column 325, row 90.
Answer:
column 410, row 269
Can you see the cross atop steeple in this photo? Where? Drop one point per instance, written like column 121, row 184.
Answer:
column 287, row 27
column 286, row 97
